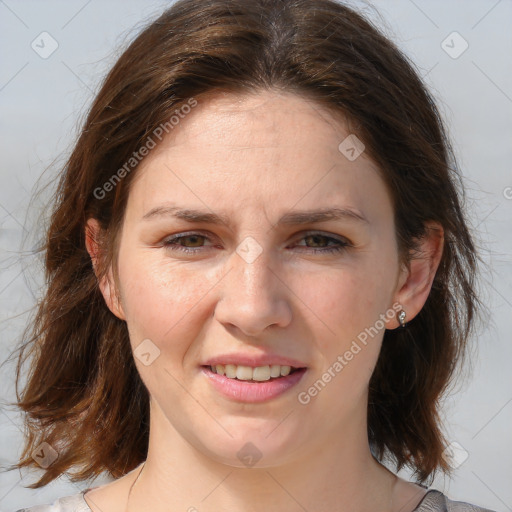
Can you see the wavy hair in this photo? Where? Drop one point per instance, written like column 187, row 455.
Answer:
column 83, row 394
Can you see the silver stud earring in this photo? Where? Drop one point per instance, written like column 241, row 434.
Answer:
column 401, row 318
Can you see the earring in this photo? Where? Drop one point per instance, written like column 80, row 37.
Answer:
column 401, row 318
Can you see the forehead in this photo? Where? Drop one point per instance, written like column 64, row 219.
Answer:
column 268, row 150
column 262, row 120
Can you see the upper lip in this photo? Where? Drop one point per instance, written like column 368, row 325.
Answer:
column 254, row 360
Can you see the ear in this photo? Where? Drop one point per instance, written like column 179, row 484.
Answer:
column 414, row 283
column 106, row 283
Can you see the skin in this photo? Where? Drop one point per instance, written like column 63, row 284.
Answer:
column 254, row 158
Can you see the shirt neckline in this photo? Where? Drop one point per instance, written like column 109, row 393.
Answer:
column 430, row 494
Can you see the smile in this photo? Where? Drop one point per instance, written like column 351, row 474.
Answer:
column 258, row 373
column 252, row 384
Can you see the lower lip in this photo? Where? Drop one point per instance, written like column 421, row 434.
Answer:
column 253, row 392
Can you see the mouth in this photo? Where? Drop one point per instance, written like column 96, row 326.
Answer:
column 253, row 373
column 253, row 384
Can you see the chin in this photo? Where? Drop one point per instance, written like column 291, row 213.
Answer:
column 267, row 444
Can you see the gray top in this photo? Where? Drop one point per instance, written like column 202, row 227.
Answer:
column 433, row 501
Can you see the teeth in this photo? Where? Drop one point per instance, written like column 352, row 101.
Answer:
column 243, row 372
column 230, row 370
column 275, row 370
column 285, row 370
column 259, row 373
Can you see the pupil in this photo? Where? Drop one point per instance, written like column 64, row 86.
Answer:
column 194, row 237
column 315, row 238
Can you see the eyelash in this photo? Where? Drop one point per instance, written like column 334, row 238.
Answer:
column 171, row 243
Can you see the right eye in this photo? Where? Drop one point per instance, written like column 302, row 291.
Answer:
column 175, row 242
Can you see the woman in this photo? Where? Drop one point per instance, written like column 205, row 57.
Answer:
column 260, row 277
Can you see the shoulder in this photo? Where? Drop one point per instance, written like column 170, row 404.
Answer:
column 73, row 503
column 436, row 501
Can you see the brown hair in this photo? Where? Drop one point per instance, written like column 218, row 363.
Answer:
column 84, row 395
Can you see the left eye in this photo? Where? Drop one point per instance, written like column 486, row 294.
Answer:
column 179, row 242
column 318, row 238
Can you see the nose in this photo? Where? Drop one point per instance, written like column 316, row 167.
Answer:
column 253, row 296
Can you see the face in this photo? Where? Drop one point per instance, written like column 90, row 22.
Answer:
column 250, row 282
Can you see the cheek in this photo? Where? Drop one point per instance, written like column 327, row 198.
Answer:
column 162, row 301
column 348, row 334
column 342, row 303
column 347, row 304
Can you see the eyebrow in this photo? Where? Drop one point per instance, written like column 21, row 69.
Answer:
column 289, row 219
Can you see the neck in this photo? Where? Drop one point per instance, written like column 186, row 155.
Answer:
column 339, row 475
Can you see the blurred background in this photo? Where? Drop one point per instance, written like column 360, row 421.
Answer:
column 54, row 55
